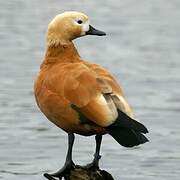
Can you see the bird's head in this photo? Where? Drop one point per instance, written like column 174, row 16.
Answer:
column 68, row 26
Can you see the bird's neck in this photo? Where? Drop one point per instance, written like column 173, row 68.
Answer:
column 61, row 54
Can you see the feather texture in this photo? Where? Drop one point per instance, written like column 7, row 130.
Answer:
column 65, row 80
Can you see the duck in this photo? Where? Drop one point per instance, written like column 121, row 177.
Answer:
column 81, row 97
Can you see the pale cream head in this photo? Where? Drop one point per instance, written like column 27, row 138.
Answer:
column 67, row 26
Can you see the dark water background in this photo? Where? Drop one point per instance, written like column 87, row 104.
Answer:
column 142, row 50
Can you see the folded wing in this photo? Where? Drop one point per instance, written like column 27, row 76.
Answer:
column 87, row 91
column 98, row 99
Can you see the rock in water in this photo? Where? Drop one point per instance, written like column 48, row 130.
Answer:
column 87, row 174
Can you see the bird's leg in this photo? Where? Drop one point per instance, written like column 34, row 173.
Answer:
column 69, row 164
column 95, row 163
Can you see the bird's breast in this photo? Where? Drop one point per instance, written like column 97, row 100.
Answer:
column 62, row 113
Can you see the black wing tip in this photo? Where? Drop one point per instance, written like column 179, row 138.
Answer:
column 126, row 137
column 134, row 124
column 138, row 142
column 146, row 130
column 143, row 139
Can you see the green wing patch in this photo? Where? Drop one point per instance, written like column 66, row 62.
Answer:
column 83, row 119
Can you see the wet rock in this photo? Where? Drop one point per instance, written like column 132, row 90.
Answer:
column 88, row 174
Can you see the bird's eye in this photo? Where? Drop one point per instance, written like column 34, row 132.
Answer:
column 79, row 21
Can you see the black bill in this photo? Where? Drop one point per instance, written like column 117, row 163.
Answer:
column 93, row 31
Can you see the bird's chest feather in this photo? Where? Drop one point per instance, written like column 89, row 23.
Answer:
column 65, row 114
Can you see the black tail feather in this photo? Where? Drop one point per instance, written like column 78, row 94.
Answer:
column 127, row 132
column 127, row 122
column 127, row 137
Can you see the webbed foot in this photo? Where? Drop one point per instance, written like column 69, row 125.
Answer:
column 69, row 165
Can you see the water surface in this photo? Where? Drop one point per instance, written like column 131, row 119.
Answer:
column 142, row 50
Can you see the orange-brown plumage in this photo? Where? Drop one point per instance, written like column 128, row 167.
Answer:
column 66, row 79
column 81, row 97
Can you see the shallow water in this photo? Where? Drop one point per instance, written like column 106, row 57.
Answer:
column 142, row 50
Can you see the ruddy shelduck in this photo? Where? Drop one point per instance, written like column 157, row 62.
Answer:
column 81, row 97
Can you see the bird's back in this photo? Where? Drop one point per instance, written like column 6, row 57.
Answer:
column 60, row 85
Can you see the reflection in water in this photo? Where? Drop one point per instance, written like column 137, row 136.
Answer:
column 141, row 50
